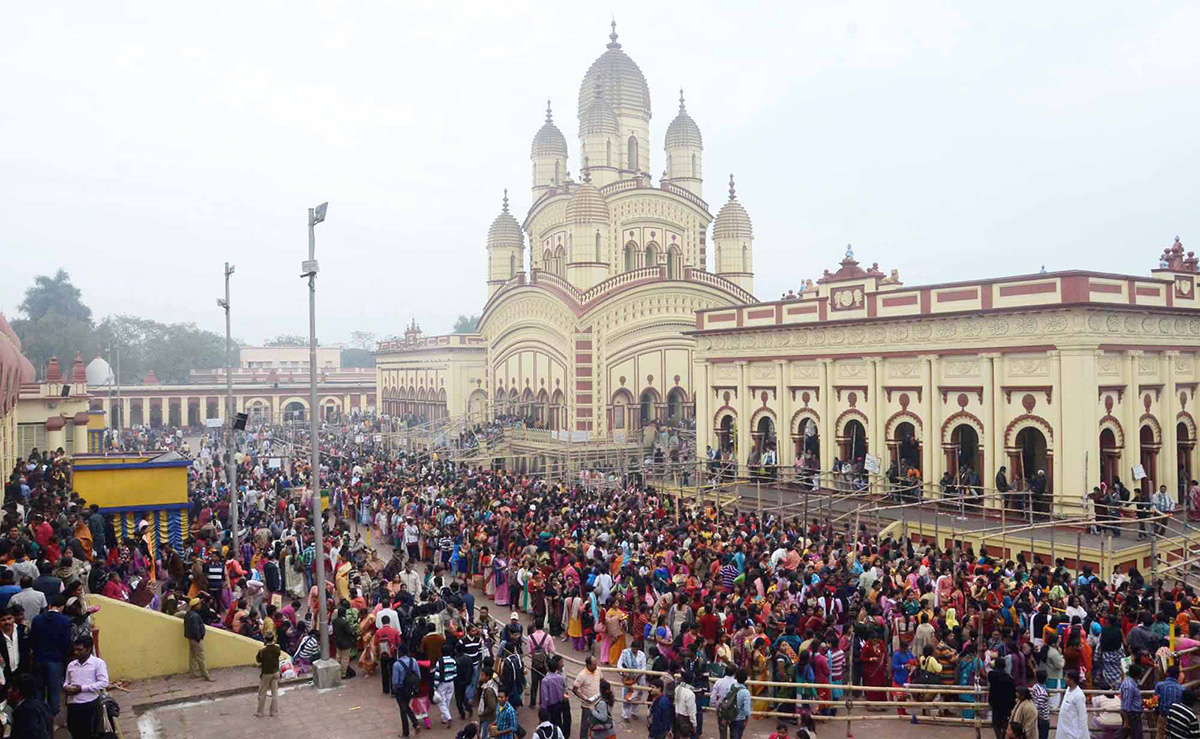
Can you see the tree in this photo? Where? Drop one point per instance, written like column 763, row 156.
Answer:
column 363, row 340
column 172, row 350
column 56, row 322
column 355, row 357
column 466, row 324
column 288, row 340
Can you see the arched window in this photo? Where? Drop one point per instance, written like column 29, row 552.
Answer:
column 608, row 153
column 651, row 255
column 560, row 262
column 599, row 256
column 558, row 170
column 695, row 166
column 512, row 266
column 547, row 264
column 630, row 250
column 674, row 264
column 632, row 163
column 745, row 259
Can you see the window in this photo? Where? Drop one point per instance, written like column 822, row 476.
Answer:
column 599, row 257
column 557, row 171
column 695, row 166
column 608, row 153
column 512, row 266
column 651, row 255
column 69, row 444
column 629, row 256
column 30, row 435
column 632, row 161
column 745, row 259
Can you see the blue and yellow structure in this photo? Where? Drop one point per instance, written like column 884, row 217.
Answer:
column 135, row 487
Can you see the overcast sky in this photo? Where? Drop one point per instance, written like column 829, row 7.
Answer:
column 143, row 144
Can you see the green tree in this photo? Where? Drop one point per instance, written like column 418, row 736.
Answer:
column 56, row 322
column 170, row 349
column 288, row 340
column 466, row 324
column 363, row 340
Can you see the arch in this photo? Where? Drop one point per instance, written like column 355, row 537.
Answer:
column 891, row 426
column 1025, row 421
column 725, row 428
column 599, row 249
column 294, row 409
column 622, row 400
column 850, row 414
column 632, row 153
column 1111, row 424
column 648, row 403
column 674, row 263
column 677, row 403
column 630, row 256
column 608, row 153
column 557, row 171
column 745, row 258
column 960, row 418
column 548, row 260
column 695, row 166
column 477, row 404
column 964, row 448
column 1032, row 453
column 760, row 414
column 854, row 439
column 1184, row 420
column 560, row 261
column 798, row 418
column 1149, row 421
column 651, row 255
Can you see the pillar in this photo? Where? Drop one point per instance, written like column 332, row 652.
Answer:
column 704, row 420
column 126, row 406
column 743, row 426
column 1169, row 455
column 785, row 448
column 276, row 416
column 828, row 411
column 992, row 442
column 932, row 442
column 1131, row 411
column 1069, row 449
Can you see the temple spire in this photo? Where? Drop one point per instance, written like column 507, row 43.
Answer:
column 732, row 189
column 681, row 108
column 549, row 115
column 504, row 209
column 612, row 37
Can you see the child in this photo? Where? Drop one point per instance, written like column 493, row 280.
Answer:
column 781, row 731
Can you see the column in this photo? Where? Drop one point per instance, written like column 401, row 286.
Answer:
column 1067, row 447
column 703, row 414
column 931, row 442
column 991, row 402
column 743, row 426
column 875, row 444
column 1131, row 411
column 125, row 409
column 1170, row 452
column 828, row 410
column 276, row 416
column 785, row 448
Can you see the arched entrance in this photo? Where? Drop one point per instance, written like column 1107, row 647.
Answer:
column 1185, row 442
column 1110, row 457
column 906, row 448
column 765, row 444
column 294, row 411
column 621, row 419
column 854, row 441
column 963, row 454
column 677, row 409
column 649, row 407
column 156, row 414
column 726, row 430
column 1032, row 458
column 1149, row 459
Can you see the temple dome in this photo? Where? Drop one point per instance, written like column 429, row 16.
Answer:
column 732, row 222
column 683, row 131
column 548, row 141
column 624, row 84
column 99, row 373
column 505, row 231
column 587, row 205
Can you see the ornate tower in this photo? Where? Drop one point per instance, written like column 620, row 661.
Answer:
column 587, row 235
column 549, row 156
column 599, row 139
column 624, row 87
column 684, row 146
column 734, row 240
column 505, row 248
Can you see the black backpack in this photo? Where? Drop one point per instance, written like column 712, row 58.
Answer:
column 410, row 684
column 540, row 659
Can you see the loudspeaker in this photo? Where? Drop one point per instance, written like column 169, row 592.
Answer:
column 239, row 424
column 66, row 391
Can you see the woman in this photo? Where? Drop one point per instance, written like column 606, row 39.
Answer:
column 574, row 611
column 875, row 665
column 1054, row 663
column 500, row 580
column 760, row 669
column 367, row 655
column 1023, row 722
column 602, row 716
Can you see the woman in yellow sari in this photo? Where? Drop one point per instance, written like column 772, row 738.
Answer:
column 367, row 658
column 614, row 626
column 343, row 580
column 760, row 669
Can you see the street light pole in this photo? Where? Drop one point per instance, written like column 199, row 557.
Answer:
column 230, row 434
column 309, row 269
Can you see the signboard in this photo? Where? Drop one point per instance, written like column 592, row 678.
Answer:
column 275, row 463
column 213, row 423
column 358, row 439
column 378, row 439
column 1139, row 472
column 871, row 464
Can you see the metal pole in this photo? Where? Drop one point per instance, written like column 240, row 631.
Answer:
column 1078, row 553
column 230, row 471
column 310, row 268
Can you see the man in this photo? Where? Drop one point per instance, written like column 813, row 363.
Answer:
column 1181, row 721
column 661, row 712
column 193, row 631
column 512, row 674
column 406, row 676
column 632, row 658
column 445, row 672
column 31, row 718
column 387, row 638
column 87, row 676
column 489, row 701
column 541, row 649
column 547, row 728
column 50, row 643
column 343, row 641
column 738, row 725
column 1164, row 505
column 1169, row 691
column 412, row 537
column 1072, row 714
column 8, row 588
column 1002, row 697
column 1131, row 704
column 268, row 680
column 46, row 583
column 30, row 600
column 685, row 710
column 587, row 689
column 720, row 689
column 553, row 695
column 505, row 725
column 15, row 652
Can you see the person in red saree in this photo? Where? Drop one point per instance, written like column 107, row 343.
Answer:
column 875, row 666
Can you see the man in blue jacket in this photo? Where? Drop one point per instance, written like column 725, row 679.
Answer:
column 50, row 640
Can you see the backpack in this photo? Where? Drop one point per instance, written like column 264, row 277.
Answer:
column 540, row 658
column 517, row 670
column 727, row 710
column 385, row 648
column 409, row 685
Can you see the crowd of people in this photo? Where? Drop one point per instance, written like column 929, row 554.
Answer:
column 693, row 608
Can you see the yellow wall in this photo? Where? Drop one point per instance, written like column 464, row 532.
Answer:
column 132, row 487
column 138, row 643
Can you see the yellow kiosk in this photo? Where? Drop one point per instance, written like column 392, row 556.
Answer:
column 138, row 486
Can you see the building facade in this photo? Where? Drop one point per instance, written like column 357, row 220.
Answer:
column 1081, row 375
column 586, row 332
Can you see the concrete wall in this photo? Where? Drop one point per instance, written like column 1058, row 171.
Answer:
column 139, row 643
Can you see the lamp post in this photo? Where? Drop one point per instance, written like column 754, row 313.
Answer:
column 324, row 675
column 230, row 434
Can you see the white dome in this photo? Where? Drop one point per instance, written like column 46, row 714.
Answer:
column 505, row 231
column 99, row 373
column 549, row 140
column 683, row 131
column 624, row 84
column 732, row 222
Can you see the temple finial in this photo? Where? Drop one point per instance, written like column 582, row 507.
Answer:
column 849, row 251
column 587, row 170
column 549, row 115
column 681, row 108
column 732, row 189
column 505, row 209
column 612, row 37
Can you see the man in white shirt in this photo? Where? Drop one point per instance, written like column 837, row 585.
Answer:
column 1072, row 714
column 411, row 580
column 632, row 658
column 720, row 689
column 685, row 710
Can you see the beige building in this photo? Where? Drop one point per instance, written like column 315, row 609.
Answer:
column 586, row 332
column 1079, row 374
column 288, row 357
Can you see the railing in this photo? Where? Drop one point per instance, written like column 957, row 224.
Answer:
column 635, row 183
column 688, row 195
column 537, row 276
column 699, row 275
column 633, row 275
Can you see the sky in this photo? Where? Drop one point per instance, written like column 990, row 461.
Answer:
column 144, row 144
